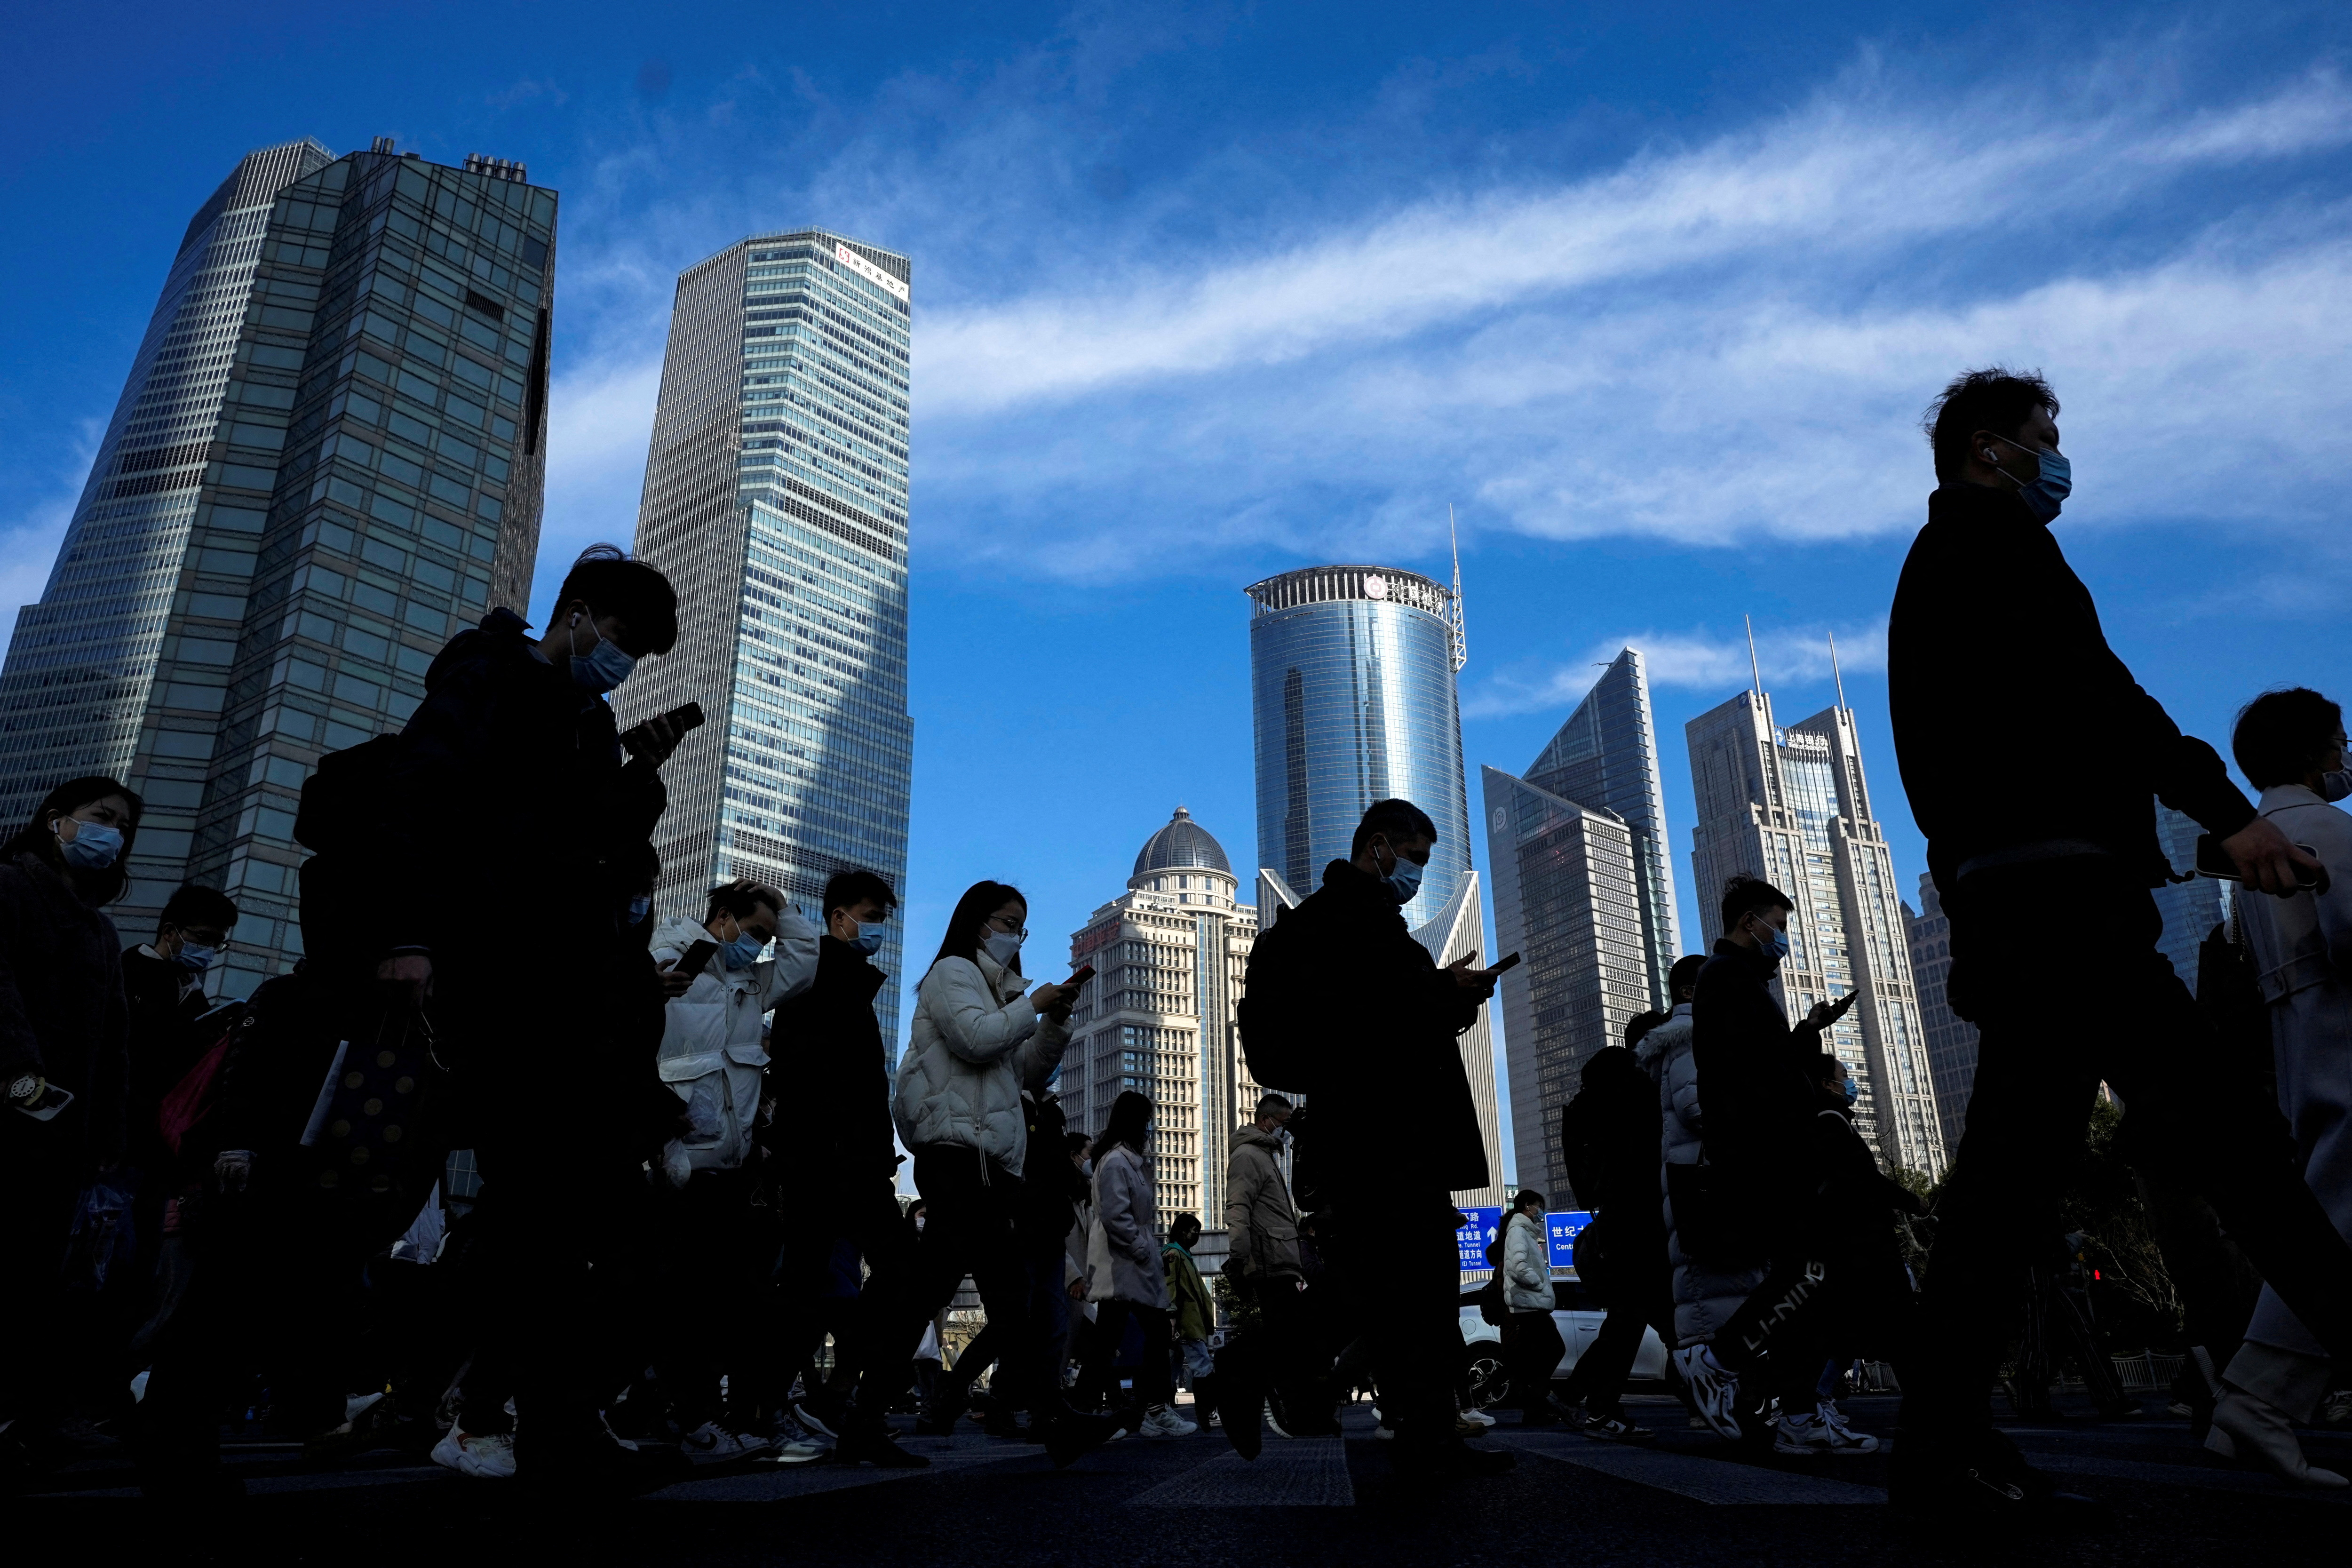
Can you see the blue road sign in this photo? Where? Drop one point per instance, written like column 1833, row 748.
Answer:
column 1475, row 1237
column 1561, row 1230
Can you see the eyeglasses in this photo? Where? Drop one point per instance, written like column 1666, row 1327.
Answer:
column 1021, row 932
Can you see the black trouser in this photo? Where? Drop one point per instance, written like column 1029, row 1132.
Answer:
column 1281, row 1354
column 719, row 1253
column 867, row 1351
column 1396, row 1259
column 968, row 1229
column 1607, row 1364
column 1154, row 1383
column 45, row 1166
column 2026, row 944
column 1532, row 1349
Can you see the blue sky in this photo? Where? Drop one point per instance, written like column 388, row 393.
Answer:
column 1653, row 299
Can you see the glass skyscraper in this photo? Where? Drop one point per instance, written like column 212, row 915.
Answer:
column 327, row 458
column 1583, row 891
column 1352, row 701
column 1951, row 1039
column 775, row 498
column 1791, row 806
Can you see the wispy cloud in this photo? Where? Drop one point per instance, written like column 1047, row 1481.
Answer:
column 1699, row 660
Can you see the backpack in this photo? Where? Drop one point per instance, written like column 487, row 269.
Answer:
column 347, row 804
column 1280, row 1026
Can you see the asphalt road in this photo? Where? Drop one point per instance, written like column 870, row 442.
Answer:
column 1191, row 1501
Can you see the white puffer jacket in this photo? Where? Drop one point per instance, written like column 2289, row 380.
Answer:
column 711, row 1053
column 1526, row 1265
column 975, row 1045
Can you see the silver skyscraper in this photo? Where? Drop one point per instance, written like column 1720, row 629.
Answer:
column 327, row 459
column 775, row 498
column 1583, row 892
column 1792, row 806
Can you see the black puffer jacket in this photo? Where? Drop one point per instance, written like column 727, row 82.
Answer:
column 1754, row 1072
column 829, row 1071
column 62, row 1013
column 1609, row 1139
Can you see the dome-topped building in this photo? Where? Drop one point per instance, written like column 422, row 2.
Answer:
column 1169, row 957
column 1183, row 844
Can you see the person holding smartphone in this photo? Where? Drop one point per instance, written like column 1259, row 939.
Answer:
column 64, row 1065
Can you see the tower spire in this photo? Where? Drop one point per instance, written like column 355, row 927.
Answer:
column 1834, row 674
column 1754, row 671
column 1461, row 630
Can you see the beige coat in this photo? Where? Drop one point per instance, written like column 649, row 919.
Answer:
column 1259, row 1211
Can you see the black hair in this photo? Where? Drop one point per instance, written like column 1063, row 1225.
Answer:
column 980, row 901
column 1073, row 1141
column 1640, row 1023
column 97, row 886
column 1995, row 398
column 845, row 890
column 1744, row 894
column 1683, row 976
column 2281, row 735
column 1270, row 1102
column 1184, row 1222
column 1827, row 1067
column 1394, row 820
column 193, row 904
column 1528, row 1196
column 1130, row 1113
column 609, row 583
column 742, row 899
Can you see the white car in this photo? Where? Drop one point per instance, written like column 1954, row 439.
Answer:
column 1579, row 1319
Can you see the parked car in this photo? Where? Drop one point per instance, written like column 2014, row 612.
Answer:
column 1579, row 1318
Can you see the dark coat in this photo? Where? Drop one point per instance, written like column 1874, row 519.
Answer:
column 1052, row 1188
column 1361, row 1018
column 1755, row 1072
column 1993, row 652
column 62, row 1013
column 164, row 1003
column 829, row 1071
column 1856, row 1201
column 1609, row 1139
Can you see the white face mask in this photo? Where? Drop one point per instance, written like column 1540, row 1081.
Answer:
column 1004, row 946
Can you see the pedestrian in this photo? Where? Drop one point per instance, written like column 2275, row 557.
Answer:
column 722, row 1248
column 1870, row 1302
column 980, row 1035
column 1536, row 1349
column 1609, row 1138
column 1273, row 1364
column 64, row 1063
column 1343, row 1004
column 1992, row 633
column 1754, row 1074
column 1124, row 1276
column 1193, row 1313
column 2287, row 743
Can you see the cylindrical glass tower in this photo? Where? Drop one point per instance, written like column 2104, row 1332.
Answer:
column 1351, row 686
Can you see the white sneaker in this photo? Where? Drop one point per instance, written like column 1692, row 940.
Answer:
column 485, row 1456
column 712, row 1444
column 1714, row 1388
column 1480, row 1416
column 1161, row 1422
column 1812, row 1435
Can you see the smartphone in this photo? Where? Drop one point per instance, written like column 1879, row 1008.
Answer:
column 1509, row 962
column 1086, row 972
column 53, row 1099
column 2212, row 860
column 684, row 717
column 697, row 959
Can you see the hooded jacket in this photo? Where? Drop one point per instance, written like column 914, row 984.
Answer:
column 831, row 1075
column 1706, row 1295
column 1526, row 1265
column 62, row 1013
column 1259, row 1216
column 711, row 1053
column 1344, row 1004
column 976, row 1043
column 1992, row 634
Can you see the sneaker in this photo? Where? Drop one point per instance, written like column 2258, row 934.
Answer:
column 1274, row 1421
column 786, row 1432
column 822, row 1417
column 712, row 1444
column 1714, row 1388
column 1477, row 1416
column 1812, row 1435
column 1161, row 1422
column 1616, row 1429
column 1837, row 1417
column 485, row 1455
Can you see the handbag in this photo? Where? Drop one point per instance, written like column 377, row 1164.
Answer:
column 1717, row 1218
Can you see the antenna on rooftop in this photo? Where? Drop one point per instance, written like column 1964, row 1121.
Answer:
column 1461, row 631
column 1834, row 674
column 1753, row 670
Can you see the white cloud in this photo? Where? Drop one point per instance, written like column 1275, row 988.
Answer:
column 1699, row 660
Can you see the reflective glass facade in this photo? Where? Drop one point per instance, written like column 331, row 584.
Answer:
column 1353, row 701
column 370, row 483
column 1951, row 1039
column 1792, row 806
column 776, row 498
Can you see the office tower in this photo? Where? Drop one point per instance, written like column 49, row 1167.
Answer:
column 775, row 498
column 1353, row 696
column 1951, row 1039
column 1577, row 846
column 1169, row 954
column 1792, row 806
column 327, row 458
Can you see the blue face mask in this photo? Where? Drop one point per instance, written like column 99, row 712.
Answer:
column 1770, row 940
column 639, row 908
column 1405, row 880
column 868, row 940
column 744, row 950
column 1852, row 1093
column 93, row 847
column 195, row 958
column 2046, row 494
column 602, row 668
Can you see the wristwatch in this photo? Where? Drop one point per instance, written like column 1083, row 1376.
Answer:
column 25, row 1087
